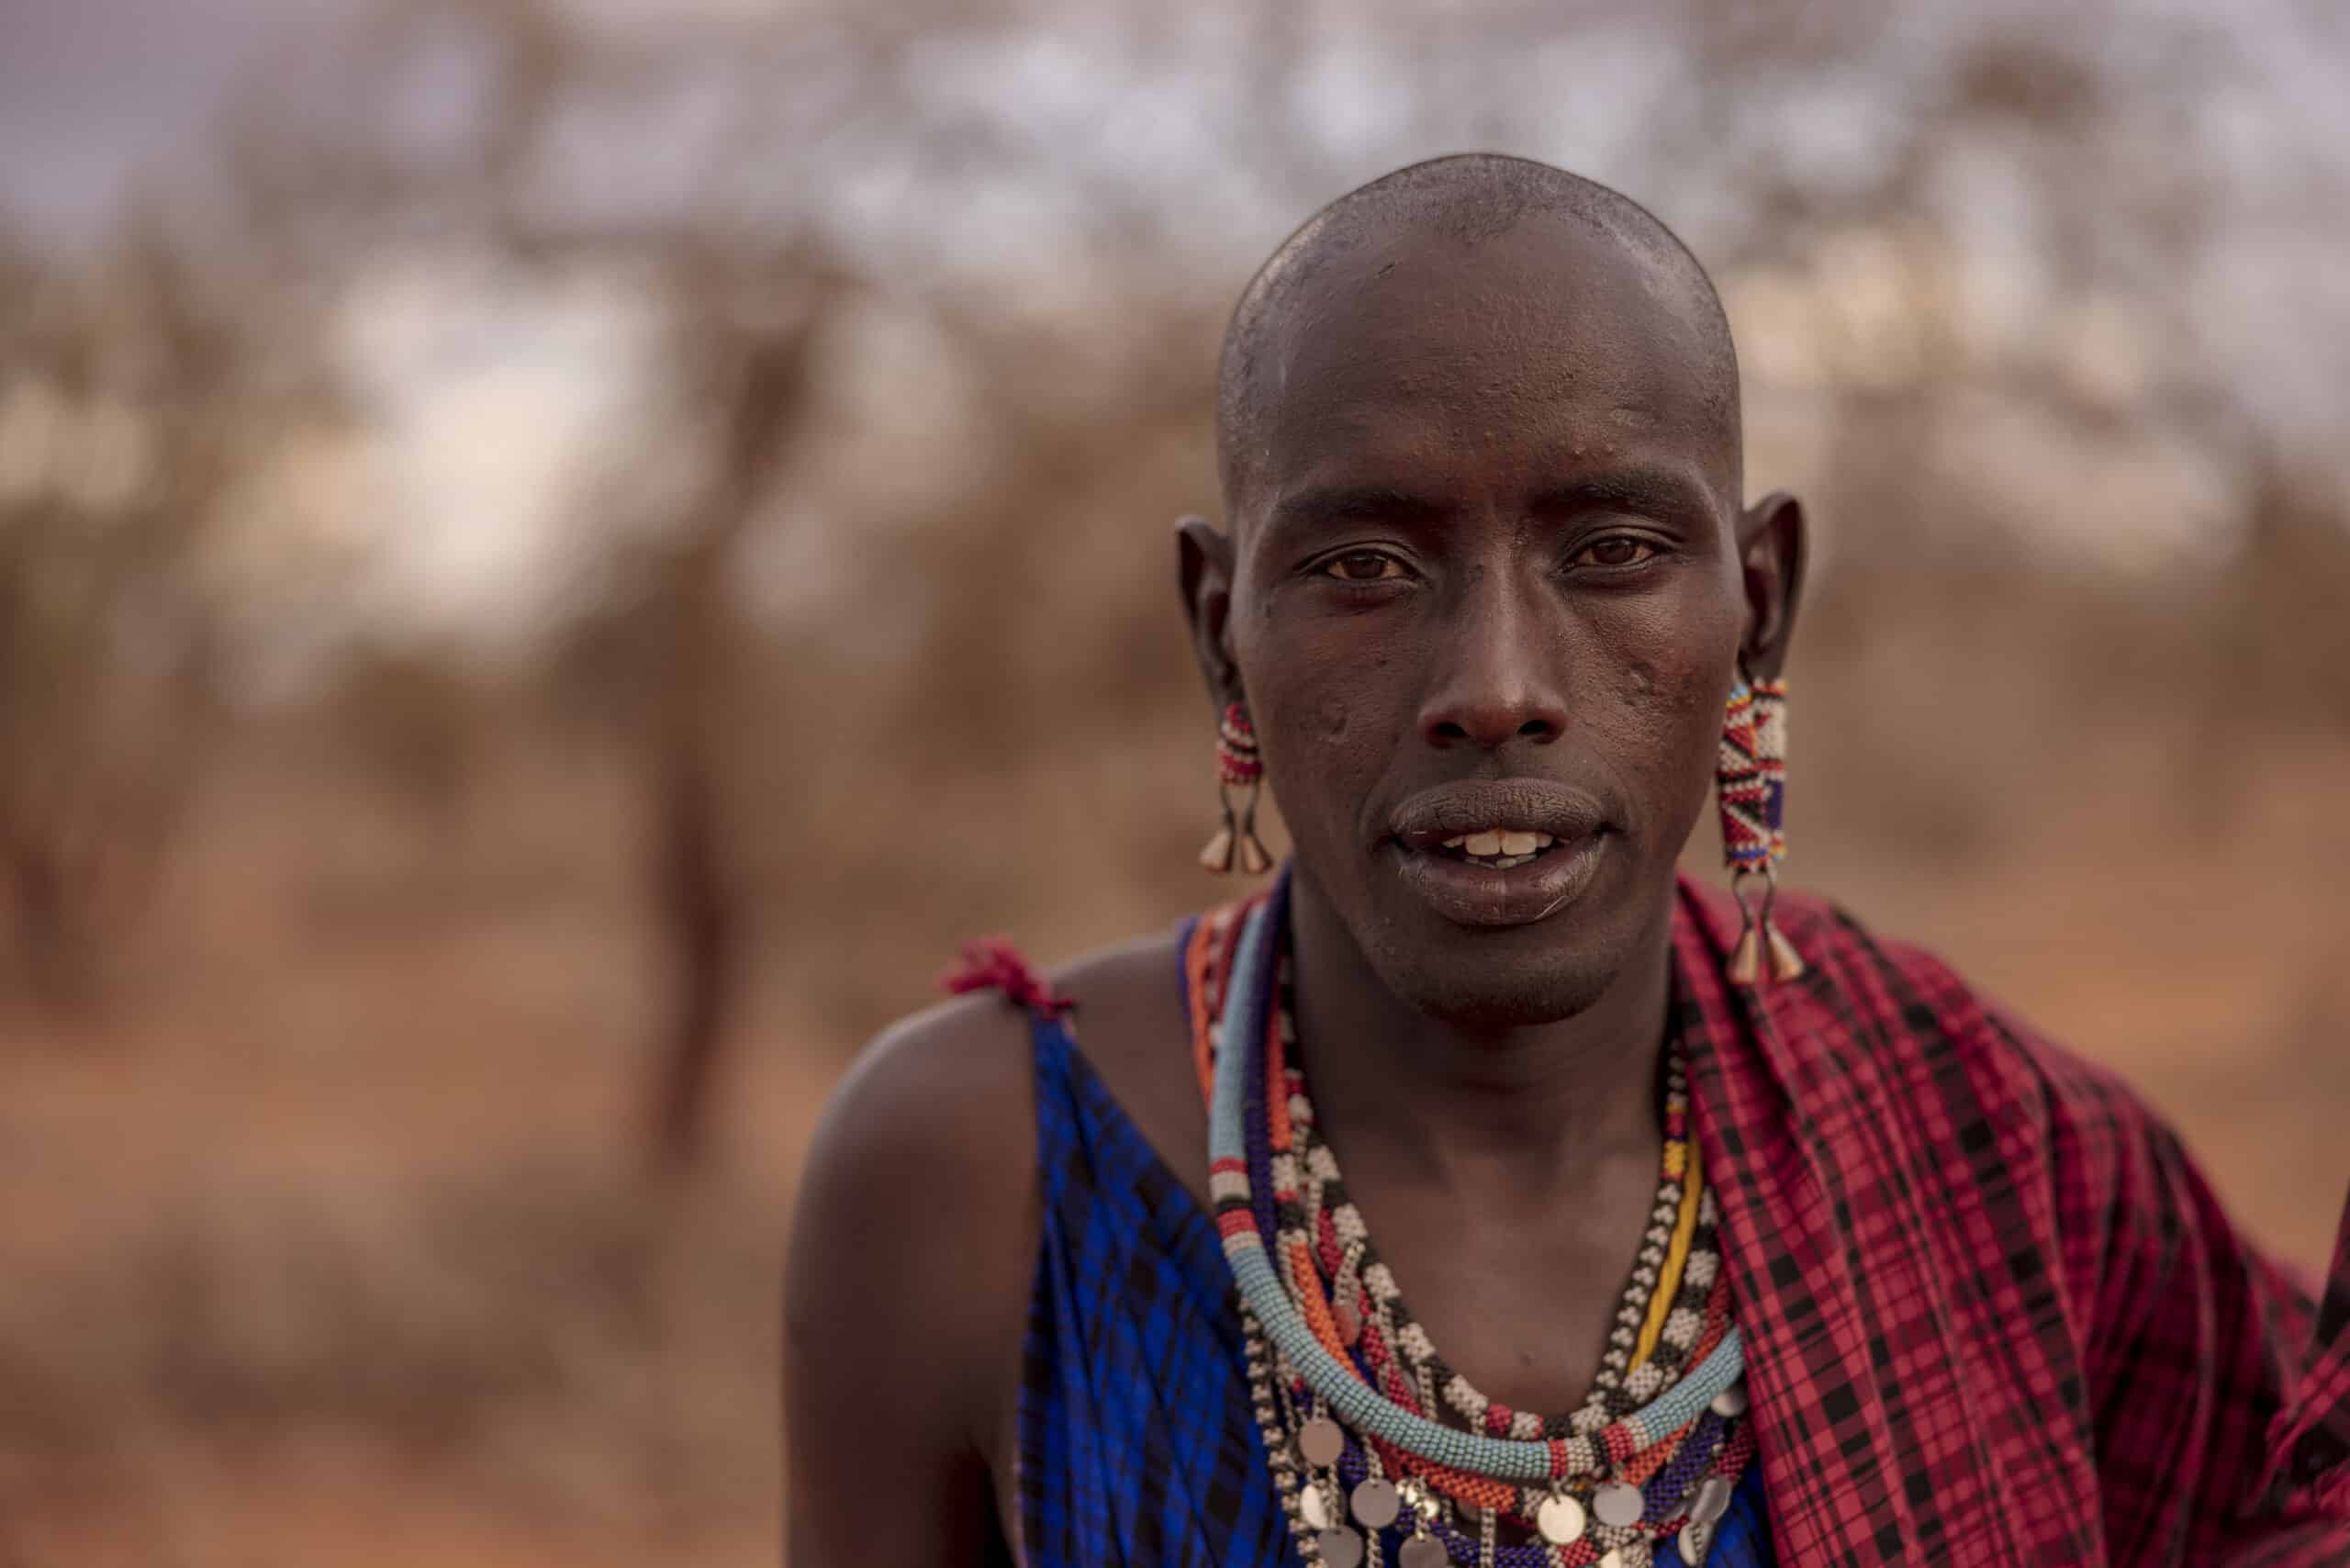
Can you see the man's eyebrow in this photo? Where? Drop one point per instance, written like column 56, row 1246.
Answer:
column 1663, row 489
column 1321, row 505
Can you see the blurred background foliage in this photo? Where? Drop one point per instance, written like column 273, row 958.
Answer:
column 556, row 557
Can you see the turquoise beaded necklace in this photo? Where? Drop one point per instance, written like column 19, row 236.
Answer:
column 1346, row 1396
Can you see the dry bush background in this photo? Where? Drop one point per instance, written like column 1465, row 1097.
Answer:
column 552, row 564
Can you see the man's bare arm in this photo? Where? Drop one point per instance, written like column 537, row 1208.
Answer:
column 905, row 1295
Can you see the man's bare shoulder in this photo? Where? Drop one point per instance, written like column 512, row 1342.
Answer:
column 913, row 1248
column 923, row 1166
column 947, row 1082
column 934, row 1125
column 905, row 1287
column 953, row 1086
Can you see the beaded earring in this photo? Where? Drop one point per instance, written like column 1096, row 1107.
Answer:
column 1238, row 765
column 1752, row 787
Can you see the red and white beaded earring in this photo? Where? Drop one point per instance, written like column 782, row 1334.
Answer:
column 1751, row 780
column 1237, row 766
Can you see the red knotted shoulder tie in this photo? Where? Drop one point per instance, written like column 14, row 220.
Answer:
column 992, row 963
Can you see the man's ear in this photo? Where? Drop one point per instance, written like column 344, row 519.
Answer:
column 1772, row 548
column 1204, row 566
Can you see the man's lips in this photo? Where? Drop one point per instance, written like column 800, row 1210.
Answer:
column 1519, row 890
column 1426, row 820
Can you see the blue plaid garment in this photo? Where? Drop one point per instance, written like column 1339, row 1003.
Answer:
column 1138, row 1449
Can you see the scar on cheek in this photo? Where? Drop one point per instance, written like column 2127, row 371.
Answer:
column 1640, row 680
column 1333, row 720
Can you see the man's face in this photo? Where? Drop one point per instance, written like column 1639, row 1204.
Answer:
column 1486, row 582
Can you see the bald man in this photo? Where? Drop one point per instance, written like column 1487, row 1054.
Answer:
column 1670, row 1228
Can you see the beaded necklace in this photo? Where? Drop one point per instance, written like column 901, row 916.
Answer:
column 1651, row 1325
column 1675, row 1297
column 1345, row 1383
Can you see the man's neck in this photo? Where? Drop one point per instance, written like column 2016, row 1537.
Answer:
column 1462, row 1107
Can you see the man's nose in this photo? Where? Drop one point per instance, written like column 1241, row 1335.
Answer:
column 1497, row 677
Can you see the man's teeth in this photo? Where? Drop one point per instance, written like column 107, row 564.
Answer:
column 1510, row 844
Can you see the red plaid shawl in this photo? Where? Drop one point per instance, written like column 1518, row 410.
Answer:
column 1993, row 1315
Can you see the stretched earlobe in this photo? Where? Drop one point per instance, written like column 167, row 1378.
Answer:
column 1774, row 547
column 1204, row 575
column 1204, row 568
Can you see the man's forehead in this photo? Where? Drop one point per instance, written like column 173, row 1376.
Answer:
column 1459, row 279
column 1421, row 346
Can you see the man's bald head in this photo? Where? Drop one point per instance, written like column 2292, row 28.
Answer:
column 1464, row 200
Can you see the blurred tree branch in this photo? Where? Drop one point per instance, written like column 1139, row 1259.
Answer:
column 753, row 366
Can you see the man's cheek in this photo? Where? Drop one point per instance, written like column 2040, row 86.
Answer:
column 1663, row 730
column 1329, row 759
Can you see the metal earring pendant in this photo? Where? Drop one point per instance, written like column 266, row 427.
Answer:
column 1759, row 937
column 1750, row 780
column 1238, row 767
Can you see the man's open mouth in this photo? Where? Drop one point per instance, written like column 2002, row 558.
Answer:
column 1499, row 847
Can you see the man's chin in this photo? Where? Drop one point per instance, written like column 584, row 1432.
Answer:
column 1483, row 979
column 1490, row 980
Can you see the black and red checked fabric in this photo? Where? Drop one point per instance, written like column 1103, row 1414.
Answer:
column 2309, row 1442
column 1993, row 1313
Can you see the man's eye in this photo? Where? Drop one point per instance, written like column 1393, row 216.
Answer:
column 1363, row 567
column 1617, row 551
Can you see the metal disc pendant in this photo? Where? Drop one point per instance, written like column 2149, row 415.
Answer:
column 1620, row 1504
column 1321, row 1442
column 1313, row 1506
column 1375, row 1504
column 1731, row 1401
column 1561, row 1519
column 1422, row 1552
column 1711, row 1502
column 1341, row 1548
column 1695, row 1541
